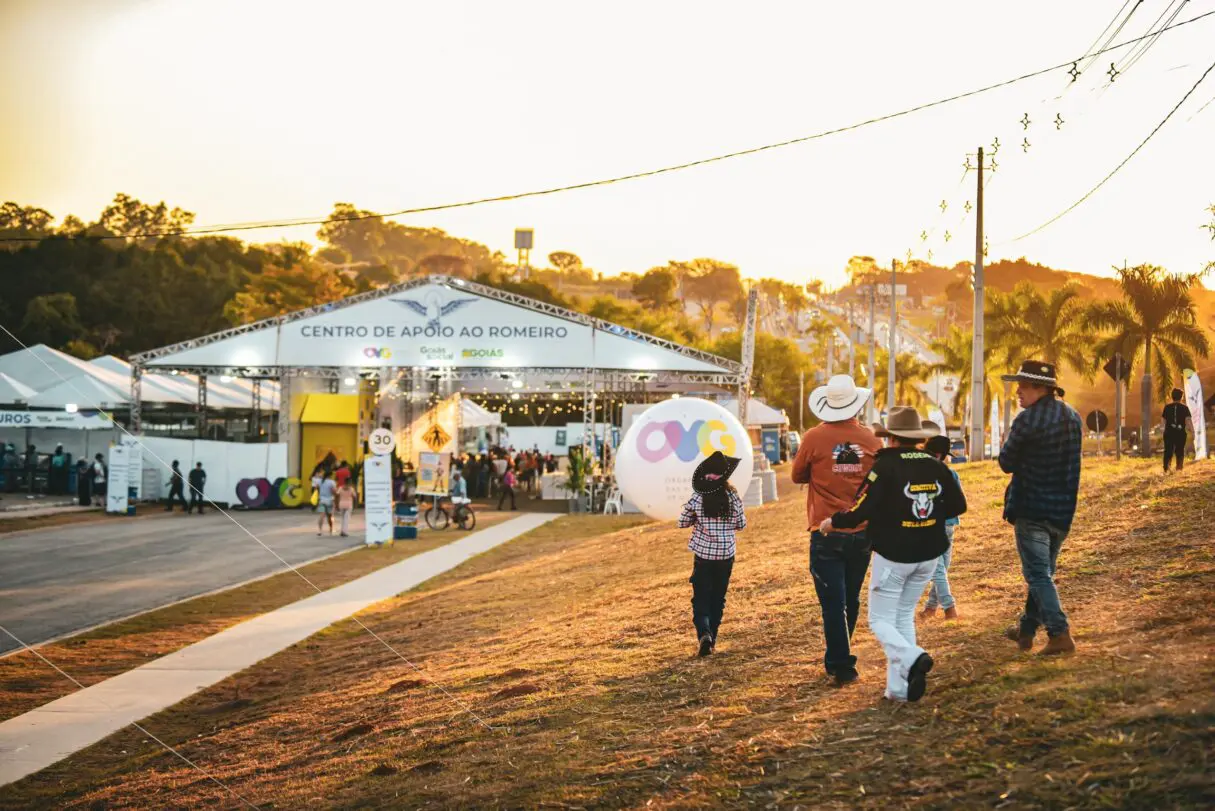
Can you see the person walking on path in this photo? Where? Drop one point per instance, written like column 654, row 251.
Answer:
column 939, row 593
column 906, row 499
column 1176, row 414
column 324, row 502
column 345, row 496
column 508, row 488
column 198, row 482
column 715, row 514
column 97, row 473
column 1042, row 453
column 833, row 460
column 177, row 488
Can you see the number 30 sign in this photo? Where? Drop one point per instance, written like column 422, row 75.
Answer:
column 381, row 441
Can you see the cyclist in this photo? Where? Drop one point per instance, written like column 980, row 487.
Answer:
column 459, row 487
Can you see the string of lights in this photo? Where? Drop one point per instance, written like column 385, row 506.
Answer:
column 1124, row 162
column 251, row 226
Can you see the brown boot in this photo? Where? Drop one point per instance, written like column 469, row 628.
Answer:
column 928, row 613
column 951, row 613
column 1013, row 632
column 1058, row 644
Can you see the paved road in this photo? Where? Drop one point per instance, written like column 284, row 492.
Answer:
column 59, row 580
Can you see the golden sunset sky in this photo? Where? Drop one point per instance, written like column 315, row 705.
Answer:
column 271, row 110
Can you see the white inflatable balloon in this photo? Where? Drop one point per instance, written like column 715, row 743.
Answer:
column 666, row 442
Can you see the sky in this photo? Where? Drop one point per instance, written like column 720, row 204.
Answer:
column 243, row 111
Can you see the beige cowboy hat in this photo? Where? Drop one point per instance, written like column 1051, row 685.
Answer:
column 905, row 422
column 841, row 399
column 929, row 425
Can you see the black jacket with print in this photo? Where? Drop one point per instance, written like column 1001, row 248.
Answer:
column 906, row 499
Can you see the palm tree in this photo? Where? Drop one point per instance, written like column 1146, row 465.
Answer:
column 1053, row 328
column 1154, row 322
column 909, row 373
column 956, row 350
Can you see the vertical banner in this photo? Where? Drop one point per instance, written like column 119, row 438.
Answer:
column 117, row 481
column 134, row 464
column 1193, row 400
column 377, row 499
column 938, row 416
column 433, row 472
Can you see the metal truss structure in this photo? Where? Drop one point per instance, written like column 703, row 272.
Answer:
column 732, row 377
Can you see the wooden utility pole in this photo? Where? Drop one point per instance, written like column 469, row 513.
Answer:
column 978, row 373
column 894, row 334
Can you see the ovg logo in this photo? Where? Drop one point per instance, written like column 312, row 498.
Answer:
column 381, row 352
column 658, row 440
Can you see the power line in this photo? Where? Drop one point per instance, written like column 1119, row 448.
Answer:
column 1125, row 161
column 1128, row 61
column 608, row 181
column 1093, row 57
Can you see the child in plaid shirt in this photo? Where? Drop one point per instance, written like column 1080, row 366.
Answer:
column 715, row 513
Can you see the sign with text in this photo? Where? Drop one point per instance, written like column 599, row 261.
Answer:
column 381, row 441
column 434, row 325
column 54, row 419
column 116, row 489
column 134, row 464
column 433, row 472
column 377, row 499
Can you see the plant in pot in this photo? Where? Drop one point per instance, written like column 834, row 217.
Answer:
column 576, row 479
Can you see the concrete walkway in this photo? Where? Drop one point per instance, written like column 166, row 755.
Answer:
column 42, row 737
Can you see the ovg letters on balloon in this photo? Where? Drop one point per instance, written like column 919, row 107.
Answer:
column 702, row 437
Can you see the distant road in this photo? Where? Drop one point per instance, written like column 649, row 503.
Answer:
column 60, row 580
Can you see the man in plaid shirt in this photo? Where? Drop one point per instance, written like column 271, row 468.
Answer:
column 1042, row 453
column 715, row 513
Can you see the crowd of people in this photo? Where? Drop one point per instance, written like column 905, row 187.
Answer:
column 882, row 501
column 485, row 474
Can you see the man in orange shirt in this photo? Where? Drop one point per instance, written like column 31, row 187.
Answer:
column 833, row 460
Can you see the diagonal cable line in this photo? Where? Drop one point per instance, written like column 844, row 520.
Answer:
column 1124, row 162
column 608, row 181
column 86, row 399
column 245, row 802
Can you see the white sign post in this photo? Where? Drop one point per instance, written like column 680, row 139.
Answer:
column 381, row 441
column 118, row 480
column 377, row 499
column 134, row 464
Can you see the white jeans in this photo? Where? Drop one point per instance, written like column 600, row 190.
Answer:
column 346, row 520
column 894, row 591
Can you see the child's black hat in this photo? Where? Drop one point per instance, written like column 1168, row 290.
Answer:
column 713, row 473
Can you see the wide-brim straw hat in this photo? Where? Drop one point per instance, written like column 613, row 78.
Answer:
column 905, row 422
column 841, row 399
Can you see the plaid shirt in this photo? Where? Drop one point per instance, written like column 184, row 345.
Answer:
column 712, row 538
column 1043, row 455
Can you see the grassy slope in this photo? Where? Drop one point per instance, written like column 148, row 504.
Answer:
column 578, row 653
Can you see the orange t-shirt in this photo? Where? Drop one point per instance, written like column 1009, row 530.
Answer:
column 834, row 459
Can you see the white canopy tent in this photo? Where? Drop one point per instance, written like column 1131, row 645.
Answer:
column 441, row 334
column 759, row 413
column 473, row 415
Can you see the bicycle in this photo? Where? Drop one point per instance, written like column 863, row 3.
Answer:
column 462, row 515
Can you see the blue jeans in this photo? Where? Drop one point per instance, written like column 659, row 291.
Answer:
column 1038, row 544
column 710, row 579
column 938, row 592
column 838, row 563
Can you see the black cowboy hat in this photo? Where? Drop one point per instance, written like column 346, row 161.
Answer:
column 713, row 473
column 1038, row 372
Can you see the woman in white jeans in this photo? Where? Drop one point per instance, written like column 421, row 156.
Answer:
column 906, row 499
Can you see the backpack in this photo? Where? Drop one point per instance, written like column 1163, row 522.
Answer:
column 509, row 478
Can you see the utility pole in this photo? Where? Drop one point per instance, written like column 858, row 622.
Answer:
column 872, row 381
column 851, row 344
column 831, row 353
column 977, row 371
column 894, row 330
column 1118, row 406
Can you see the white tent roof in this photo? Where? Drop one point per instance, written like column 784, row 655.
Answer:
column 41, row 367
column 13, row 390
column 441, row 322
column 473, row 415
column 758, row 412
column 82, row 390
column 165, row 388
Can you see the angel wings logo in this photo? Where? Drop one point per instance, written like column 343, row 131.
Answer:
column 433, row 309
